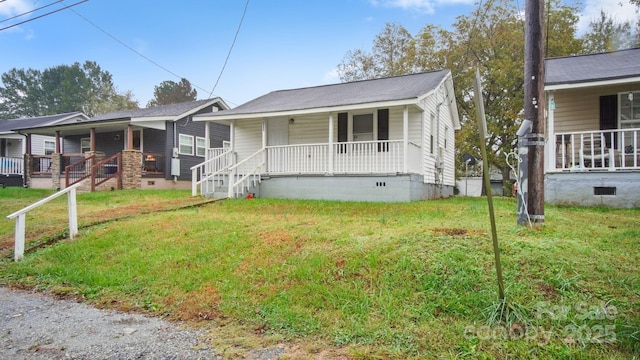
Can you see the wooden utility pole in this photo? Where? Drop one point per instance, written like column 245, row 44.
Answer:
column 534, row 107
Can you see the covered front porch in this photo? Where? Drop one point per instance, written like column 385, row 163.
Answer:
column 595, row 150
column 349, row 148
column 99, row 154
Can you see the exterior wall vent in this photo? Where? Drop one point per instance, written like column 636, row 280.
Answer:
column 604, row 190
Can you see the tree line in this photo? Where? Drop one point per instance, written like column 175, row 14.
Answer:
column 69, row 88
column 490, row 39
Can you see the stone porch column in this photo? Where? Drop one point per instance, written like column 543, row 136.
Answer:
column 27, row 170
column 56, row 171
column 131, row 169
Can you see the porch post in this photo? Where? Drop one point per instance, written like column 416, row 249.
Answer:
column 92, row 139
column 57, row 142
column 129, row 138
column 330, row 142
column 264, row 143
column 207, row 136
column 232, row 145
column 550, row 161
column 405, row 138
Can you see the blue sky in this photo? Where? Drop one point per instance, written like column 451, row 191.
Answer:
column 282, row 43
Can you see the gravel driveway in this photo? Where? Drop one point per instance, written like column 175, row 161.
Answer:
column 35, row 326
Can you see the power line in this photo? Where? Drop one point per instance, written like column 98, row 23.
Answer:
column 136, row 51
column 29, row 12
column 231, row 48
column 43, row 15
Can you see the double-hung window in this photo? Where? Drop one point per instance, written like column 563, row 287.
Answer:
column 185, row 144
column 201, row 146
column 49, row 147
column 364, row 127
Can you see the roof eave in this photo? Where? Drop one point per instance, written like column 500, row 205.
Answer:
column 585, row 84
column 327, row 109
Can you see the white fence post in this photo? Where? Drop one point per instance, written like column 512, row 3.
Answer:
column 73, row 213
column 19, row 240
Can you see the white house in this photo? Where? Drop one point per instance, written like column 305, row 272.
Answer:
column 388, row 139
column 13, row 145
column 593, row 131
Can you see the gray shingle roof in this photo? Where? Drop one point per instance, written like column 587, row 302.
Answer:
column 351, row 93
column 156, row 111
column 24, row 123
column 594, row 67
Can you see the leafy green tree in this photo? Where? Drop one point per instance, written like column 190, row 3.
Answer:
column 171, row 92
column 490, row 39
column 391, row 54
column 60, row 89
column 606, row 34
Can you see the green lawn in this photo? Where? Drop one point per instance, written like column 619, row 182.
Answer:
column 365, row 280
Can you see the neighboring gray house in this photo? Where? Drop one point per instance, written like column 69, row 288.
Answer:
column 163, row 141
column 13, row 145
column 593, row 131
column 388, row 139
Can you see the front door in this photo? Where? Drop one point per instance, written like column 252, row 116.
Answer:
column 277, row 132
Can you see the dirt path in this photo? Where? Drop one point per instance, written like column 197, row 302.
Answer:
column 35, row 326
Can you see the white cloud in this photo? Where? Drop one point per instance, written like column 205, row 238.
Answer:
column 10, row 8
column 620, row 10
column 331, row 76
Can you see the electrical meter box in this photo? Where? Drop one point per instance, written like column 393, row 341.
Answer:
column 175, row 167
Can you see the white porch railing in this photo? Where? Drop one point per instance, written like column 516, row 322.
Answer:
column 205, row 176
column 608, row 150
column 297, row 159
column 358, row 157
column 11, row 166
column 246, row 174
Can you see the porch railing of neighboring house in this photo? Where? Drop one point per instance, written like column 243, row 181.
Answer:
column 105, row 170
column 246, row 174
column 11, row 166
column 98, row 172
column 601, row 150
column 211, row 173
column 79, row 170
column 41, row 164
column 152, row 163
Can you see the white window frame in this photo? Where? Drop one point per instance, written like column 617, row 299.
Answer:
column 182, row 141
column 53, row 146
column 201, row 151
column 373, row 126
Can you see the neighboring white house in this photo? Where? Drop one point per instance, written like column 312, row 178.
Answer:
column 388, row 139
column 13, row 144
column 593, row 132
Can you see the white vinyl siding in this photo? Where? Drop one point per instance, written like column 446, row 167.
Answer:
column 248, row 138
column 37, row 143
column 579, row 109
column 443, row 122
